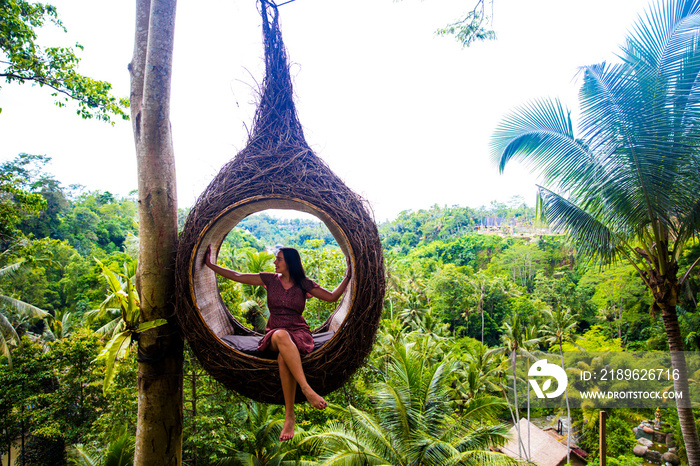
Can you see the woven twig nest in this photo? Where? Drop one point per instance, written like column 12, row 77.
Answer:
column 278, row 170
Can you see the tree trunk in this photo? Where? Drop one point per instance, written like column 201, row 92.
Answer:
column 481, row 309
column 568, row 410
column 159, row 424
column 685, row 412
column 666, row 289
column 513, row 355
column 195, row 375
column 529, row 443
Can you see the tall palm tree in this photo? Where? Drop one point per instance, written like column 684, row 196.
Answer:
column 531, row 335
column 479, row 283
column 478, row 374
column 515, row 343
column 414, row 422
column 626, row 188
column 394, row 286
column 560, row 327
column 512, row 339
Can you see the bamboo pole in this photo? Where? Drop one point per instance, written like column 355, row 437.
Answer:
column 603, row 439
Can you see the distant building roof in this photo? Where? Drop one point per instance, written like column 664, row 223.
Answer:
column 544, row 448
column 498, row 221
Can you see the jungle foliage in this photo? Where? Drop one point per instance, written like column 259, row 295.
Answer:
column 455, row 279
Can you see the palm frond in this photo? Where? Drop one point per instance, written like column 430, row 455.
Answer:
column 336, row 445
column 659, row 37
column 591, row 237
column 436, row 402
column 396, row 413
column 606, row 116
column 637, row 150
column 7, row 330
column 374, row 435
column 120, row 451
column 436, row 451
column 111, row 328
column 354, row 458
column 5, row 349
column 24, row 309
column 689, row 224
column 494, row 436
column 78, row 456
column 483, row 407
column 540, row 134
column 238, row 458
column 484, row 458
column 10, row 269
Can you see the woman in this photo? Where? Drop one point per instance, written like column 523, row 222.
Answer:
column 287, row 332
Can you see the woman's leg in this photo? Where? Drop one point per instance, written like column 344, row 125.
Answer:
column 288, row 351
column 289, row 389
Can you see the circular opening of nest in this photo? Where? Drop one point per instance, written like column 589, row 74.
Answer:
column 205, row 290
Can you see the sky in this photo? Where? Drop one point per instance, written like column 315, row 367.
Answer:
column 401, row 115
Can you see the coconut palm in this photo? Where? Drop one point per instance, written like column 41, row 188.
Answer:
column 478, row 372
column 626, row 187
column 531, row 335
column 516, row 343
column 560, row 327
column 414, row 422
column 513, row 343
column 427, row 321
column 393, row 278
column 257, row 439
column 479, row 283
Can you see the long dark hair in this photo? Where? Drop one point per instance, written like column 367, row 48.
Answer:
column 293, row 261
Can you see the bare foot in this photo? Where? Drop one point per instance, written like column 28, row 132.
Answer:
column 314, row 398
column 287, row 429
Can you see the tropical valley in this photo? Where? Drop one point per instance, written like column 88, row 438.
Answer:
column 462, row 299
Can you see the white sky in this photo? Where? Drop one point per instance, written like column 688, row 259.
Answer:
column 402, row 116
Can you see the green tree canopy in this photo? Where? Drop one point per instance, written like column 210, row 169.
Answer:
column 17, row 201
column 24, row 60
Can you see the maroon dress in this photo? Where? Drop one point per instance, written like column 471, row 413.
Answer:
column 286, row 307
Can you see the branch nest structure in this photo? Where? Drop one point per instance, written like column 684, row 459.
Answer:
column 278, row 170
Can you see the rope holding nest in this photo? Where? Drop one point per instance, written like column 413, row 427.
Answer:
column 278, row 170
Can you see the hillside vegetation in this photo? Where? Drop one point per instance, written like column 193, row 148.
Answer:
column 459, row 281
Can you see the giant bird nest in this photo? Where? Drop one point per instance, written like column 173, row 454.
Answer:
column 278, row 170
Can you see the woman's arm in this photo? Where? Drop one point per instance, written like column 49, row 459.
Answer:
column 245, row 278
column 333, row 296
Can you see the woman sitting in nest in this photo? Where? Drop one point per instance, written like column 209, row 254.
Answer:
column 287, row 332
